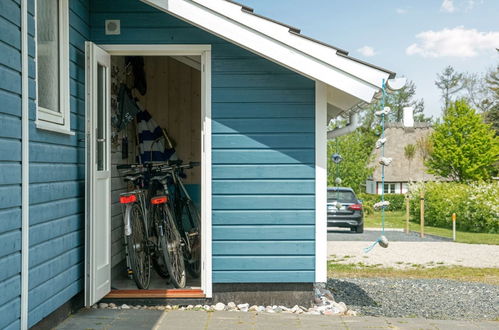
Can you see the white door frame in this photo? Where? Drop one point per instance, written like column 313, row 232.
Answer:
column 205, row 52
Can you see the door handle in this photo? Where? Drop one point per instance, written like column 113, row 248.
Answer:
column 101, row 140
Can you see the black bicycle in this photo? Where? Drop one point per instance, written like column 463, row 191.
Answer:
column 187, row 216
column 151, row 234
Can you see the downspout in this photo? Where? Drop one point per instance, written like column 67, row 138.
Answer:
column 24, row 166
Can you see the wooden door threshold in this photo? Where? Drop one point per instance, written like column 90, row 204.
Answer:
column 169, row 293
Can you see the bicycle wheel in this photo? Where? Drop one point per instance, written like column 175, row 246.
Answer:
column 190, row 217
column 170, row 245
column 138, row 252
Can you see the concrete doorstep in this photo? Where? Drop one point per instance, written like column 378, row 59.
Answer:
column 192, row 320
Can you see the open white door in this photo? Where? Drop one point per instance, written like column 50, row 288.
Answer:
column 98, row 174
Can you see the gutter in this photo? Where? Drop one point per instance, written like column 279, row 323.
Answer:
column 24, row 166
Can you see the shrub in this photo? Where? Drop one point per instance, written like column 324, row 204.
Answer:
column 476, row 205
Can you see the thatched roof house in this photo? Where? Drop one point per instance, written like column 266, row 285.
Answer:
column 400, row 172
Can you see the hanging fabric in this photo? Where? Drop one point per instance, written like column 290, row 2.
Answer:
column 153, row 144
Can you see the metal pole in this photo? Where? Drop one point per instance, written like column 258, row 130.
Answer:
column 422, row 212
column 454, row 226
column 407, row 214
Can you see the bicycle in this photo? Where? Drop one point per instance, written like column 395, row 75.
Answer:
column 150, row 228
column 187, row 216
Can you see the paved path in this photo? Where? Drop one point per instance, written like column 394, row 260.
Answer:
column 405, row 251
column 152, row 319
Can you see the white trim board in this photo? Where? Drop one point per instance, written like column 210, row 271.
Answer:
column 271, row 41
column 320, row 182
column 205, row 52
column 24, row 168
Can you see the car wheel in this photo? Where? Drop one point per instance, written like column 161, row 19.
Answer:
column 359, row 229
column 354, row 229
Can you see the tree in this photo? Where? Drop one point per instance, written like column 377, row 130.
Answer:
column 449, row 82
column 464, row 148
column 492, row 115
column 477, row 92
column 409, row 153
column 404, row 97
column 355, row 148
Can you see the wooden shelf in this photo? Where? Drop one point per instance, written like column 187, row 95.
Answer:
column 170, row 293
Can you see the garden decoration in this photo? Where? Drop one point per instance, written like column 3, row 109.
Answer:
column 384, row 161
column 337, row 160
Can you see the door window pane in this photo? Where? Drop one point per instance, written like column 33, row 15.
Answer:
column 47, row 24
column 101, row 118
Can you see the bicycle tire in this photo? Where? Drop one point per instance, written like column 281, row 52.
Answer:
column 170, row 246
column 138, row 251
column 193, row 257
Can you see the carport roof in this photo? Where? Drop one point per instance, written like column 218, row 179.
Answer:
column 351, row 82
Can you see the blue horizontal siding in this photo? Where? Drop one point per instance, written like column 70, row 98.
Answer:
column 10, row 312
column 264, row 248
column 261, row 110
column 264, row 125
column 263, row 147
column 247, row 187
column 263, row 156
column 10, row 166
column 252, row 263
column 263, row 141
column 57, row 186
column 263, row 232
column 263, row 217
column 263, row 171
column 10, row 242
column 10, row 219
column 10, row 173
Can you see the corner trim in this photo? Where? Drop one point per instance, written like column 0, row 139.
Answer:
column 320, row 182
column 24, row 167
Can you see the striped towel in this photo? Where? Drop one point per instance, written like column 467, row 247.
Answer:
column 152, row 142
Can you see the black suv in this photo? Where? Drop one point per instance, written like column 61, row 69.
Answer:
column 344, row 209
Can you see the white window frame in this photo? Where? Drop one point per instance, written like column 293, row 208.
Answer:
column 390, row 185
column 48, row 119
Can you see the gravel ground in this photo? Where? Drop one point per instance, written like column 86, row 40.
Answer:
column 426, row 298
column 405, row 251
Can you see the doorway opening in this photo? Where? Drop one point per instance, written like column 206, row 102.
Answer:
column 167, row 93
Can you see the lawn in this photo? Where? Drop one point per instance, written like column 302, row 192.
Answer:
column 457, row 273
column 396, row 219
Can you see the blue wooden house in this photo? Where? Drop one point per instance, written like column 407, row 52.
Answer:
column 266, row 93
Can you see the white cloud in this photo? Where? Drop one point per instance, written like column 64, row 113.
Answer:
column 448, row 6
column 367, row 51
column 401, row 11
column 456, row 42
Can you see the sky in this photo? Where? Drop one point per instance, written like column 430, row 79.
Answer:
column 416, row 39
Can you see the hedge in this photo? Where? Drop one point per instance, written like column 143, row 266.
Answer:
column 397, row 202
column 476, row 205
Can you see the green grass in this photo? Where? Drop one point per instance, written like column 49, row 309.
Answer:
column 458, row 273
column 396, row 219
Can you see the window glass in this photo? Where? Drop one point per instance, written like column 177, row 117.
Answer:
column 389, row 188
column 343, row 196
column 47, row 24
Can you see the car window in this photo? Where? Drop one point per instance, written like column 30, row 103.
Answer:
column 343, row 196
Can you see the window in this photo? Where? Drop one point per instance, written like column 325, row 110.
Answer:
column 389, row 188
column 52, row 60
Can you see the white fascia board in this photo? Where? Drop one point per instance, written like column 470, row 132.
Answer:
column 266, row 46
column 281, row 33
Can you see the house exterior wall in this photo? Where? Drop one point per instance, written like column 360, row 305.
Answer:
column 10, row 164
column 263, row 161
column 57, row 184
column 262, row 149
